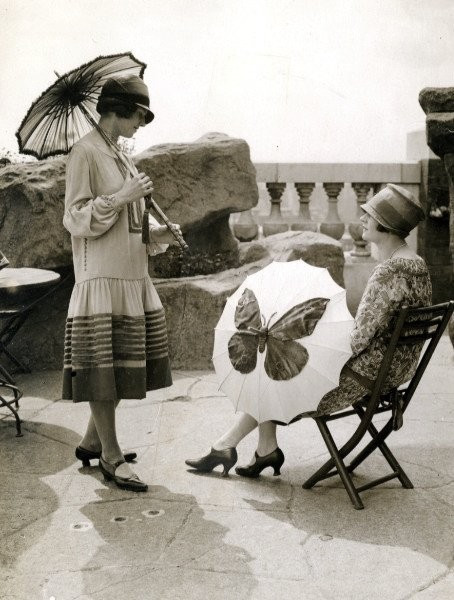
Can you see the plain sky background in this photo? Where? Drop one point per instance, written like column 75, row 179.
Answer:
column 299, row 80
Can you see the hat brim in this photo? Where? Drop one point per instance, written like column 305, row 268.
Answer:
column 149, row 116
column 374, row 214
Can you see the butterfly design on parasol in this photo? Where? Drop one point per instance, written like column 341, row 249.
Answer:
column 285, row 357
column 282, row 340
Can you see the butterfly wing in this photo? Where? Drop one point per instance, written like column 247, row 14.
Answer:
column 247, row 312
column 284, row 359
column 300, row 320
column 243, row 345
column 243, row 351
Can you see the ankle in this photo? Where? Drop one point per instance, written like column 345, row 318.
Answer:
column 265, row 449
column 91, row 445
column 222, row 445
column 112, row 458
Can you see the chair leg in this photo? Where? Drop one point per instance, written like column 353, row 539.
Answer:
column 3, row 372
column 3, row 402
column 15, row 360
column 341, row 468
column 377, row 441
column 318, row 475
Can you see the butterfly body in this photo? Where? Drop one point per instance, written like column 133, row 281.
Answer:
column 285, row 358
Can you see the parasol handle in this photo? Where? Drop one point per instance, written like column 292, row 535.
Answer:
column 149, row 202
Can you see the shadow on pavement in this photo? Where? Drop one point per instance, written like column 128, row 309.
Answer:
column 161, row 544
column 420, row 519
column 27, row 503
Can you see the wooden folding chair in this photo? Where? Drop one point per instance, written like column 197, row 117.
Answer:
column 409, row 327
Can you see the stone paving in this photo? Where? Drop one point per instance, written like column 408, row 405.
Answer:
column 68, row 535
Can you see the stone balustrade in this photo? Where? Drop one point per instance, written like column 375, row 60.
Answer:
column 324, row 197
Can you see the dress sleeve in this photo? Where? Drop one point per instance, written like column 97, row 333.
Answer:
column 154, row 248
column 85, row 215
column 379, row 299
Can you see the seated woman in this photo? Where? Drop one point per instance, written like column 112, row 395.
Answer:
column 400, row 278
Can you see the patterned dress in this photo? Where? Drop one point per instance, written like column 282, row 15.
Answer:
column 116, row 336
column 394, row 283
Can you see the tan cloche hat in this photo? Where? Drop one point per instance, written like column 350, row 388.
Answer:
column 395, row 208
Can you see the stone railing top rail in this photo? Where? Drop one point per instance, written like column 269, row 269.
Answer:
column 405, row 172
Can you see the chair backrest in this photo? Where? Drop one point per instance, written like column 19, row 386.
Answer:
column 409, row 327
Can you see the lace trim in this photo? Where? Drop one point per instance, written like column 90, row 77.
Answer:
column 111, row 201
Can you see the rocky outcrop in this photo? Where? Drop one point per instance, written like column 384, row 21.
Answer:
column 438, row 104
column 437, row 100
column 31, row 212
column 197, row 185
column 314, row 248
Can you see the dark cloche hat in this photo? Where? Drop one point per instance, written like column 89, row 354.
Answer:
column 128, row 90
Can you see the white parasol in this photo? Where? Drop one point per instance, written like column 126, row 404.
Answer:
column 261, row 365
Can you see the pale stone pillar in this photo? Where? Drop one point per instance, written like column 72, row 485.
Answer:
column 245, row 228
column 304, row 221
column 333, row 226
column 274, row 223
column 355, row 228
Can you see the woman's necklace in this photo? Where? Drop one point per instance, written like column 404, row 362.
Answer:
column 110, row 138
column 398, row 248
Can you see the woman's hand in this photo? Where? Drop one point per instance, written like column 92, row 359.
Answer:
column 134, row 188
column 162, row 235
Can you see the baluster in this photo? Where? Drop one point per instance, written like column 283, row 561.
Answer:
column 333, row 226
column 274, row 223
column 376, row 187
column 245, row 229
column 304, row 221
column 355, row 228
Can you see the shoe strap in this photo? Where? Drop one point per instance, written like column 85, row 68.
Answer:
column 114, row 465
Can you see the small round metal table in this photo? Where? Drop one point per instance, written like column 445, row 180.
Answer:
column 20, row 291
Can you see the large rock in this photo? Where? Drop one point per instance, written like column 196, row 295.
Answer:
column 31, row 212
column 314, row 248
column 197, row 185
column 193, row 304
column 440, row 132
column 437, row 100
column 438, row 104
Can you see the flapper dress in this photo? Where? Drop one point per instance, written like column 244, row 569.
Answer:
column 116, row 336
column 394, row 283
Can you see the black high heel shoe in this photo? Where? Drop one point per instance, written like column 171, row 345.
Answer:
column 86, row 455
column 131, row 483
column 227, row 458
column 274, row 459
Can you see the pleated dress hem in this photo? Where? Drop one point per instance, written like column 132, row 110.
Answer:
column 116, row 343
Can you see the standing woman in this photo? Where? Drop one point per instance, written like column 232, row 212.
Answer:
column 116, row 338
